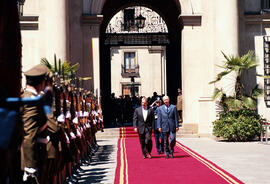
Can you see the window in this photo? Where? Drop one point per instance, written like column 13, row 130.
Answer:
column 129, row 19
column 129, row 62
column 265, row 4
column 127, row 89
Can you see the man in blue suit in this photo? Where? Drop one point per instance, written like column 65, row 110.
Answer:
column 167, row 123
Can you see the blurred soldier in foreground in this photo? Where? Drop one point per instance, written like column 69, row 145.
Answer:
column 35, row 127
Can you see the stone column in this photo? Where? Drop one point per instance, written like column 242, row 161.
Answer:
column 96, row 65
column 54, row 29
column 163, row 72
column 87, row 4
column 226, row 27
column 225, row 38
column 93, row 23
column 226, row 35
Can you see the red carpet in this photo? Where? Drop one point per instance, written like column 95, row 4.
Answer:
column 186, row 167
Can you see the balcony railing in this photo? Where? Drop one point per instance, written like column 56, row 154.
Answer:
column 128, row 72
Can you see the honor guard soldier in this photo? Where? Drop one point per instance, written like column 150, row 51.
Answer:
column 35, row 127
column 53, row 142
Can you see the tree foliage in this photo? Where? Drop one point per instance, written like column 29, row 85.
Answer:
column 239, row 120
column 241, row 98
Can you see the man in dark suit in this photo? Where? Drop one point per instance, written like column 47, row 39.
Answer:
column 143, row 122
column 167, row 123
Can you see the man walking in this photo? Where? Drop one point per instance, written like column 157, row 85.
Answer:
column 167, row 123
column 143, row 122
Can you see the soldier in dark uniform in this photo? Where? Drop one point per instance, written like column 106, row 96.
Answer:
column 35, row 127
column 157, row 134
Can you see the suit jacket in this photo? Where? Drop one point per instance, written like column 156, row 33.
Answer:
column 140, row 124
column 168, row 121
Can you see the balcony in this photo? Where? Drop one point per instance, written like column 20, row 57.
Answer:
column 128, row 72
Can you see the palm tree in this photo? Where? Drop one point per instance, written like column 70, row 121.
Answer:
column 238, row 65
column 66, row 69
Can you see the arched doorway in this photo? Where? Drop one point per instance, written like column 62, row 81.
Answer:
column 169, row 11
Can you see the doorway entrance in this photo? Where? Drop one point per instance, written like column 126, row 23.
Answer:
column 168, row 40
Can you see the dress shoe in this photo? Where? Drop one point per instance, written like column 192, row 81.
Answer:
column 144, row 156
column 149, row 156
column 167, row 156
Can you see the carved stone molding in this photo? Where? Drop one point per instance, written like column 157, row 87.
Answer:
column 153, row 22
column 92, row 19
column 191, row 20
column 29, row 22
column 257, row 19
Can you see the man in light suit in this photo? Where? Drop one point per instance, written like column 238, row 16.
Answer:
column 167, row 123
column 143, row 122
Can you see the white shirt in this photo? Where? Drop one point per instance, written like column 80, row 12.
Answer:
column 145, row 111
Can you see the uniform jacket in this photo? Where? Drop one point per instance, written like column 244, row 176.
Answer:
column 34, row 120
column 155, row 110
column 140, row 124
column 53, row 130
column 179, row 102
column 167, row 120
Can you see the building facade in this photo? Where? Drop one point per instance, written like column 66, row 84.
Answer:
column 197, row 32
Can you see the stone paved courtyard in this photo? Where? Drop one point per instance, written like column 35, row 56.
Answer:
column 248, row 161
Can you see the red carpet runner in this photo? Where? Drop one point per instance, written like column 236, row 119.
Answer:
column 187, row 167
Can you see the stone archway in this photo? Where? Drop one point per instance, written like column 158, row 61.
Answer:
column 173, row 52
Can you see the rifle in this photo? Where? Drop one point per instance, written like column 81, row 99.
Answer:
column 9, row 114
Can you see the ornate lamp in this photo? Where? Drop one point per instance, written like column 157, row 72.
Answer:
column 140, row 21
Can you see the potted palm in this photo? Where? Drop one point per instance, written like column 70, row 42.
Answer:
column 239, row 120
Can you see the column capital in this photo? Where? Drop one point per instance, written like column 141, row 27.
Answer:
column 92, row 19
column 29, row 22
column 190, row 19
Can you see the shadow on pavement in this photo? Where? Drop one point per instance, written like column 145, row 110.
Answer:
column 102, row 159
